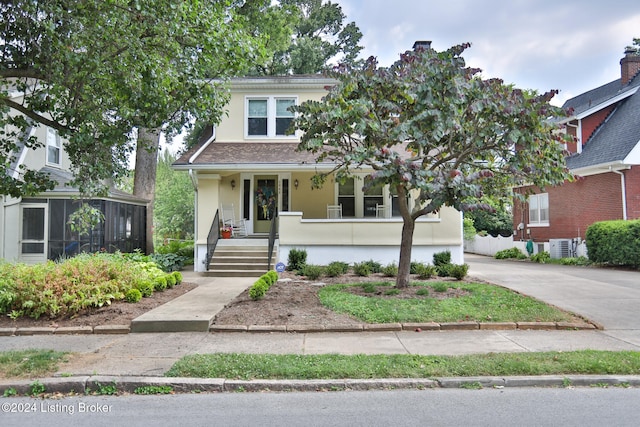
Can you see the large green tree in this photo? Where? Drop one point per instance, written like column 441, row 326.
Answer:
column 96, row 70
column 433, row 129
column 302, row 36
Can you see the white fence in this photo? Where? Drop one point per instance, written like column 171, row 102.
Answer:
column 488, row 245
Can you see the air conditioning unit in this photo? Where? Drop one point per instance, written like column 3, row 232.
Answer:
column 560, row 248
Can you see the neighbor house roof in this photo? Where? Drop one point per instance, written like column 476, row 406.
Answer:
column 601, row 96
column 614, row 139
column 63, row 187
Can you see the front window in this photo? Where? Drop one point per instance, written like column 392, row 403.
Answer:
column 269, row 116
column 347, row 197
column 539, row 209
column 54, row 147
column 284, row 117
column 373, row 199
column 257, row 117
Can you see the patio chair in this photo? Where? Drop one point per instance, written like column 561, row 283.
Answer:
column 334, row 211
column 382, row 211
column 238, row 226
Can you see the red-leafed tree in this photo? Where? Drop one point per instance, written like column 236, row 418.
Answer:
column 434, row 130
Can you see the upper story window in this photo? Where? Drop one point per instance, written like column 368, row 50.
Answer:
column 269, row 116
column 539, row 209
column 54, row 147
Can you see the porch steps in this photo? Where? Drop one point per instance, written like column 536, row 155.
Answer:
column 241, row 258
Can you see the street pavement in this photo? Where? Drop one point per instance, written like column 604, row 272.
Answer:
column 609, row 298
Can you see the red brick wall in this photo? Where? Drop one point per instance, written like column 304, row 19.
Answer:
column 574, row 206
column 590, row 123
column 632, row 181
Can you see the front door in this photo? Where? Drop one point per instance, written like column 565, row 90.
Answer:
column 265, row 202
column 33, row 235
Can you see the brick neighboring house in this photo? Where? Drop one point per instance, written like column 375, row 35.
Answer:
column 606, row 158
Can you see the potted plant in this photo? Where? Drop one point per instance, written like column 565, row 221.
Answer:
column 225, row 231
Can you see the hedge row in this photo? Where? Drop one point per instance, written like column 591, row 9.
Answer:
column 614, row 242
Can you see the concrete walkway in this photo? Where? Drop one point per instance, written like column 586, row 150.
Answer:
column 607, row 297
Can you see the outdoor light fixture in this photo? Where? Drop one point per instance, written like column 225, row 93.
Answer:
column 295, row 184
column 233, row 184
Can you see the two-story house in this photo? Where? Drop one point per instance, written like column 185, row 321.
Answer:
column 34, row 229
column 249, row 164
column 605, row 122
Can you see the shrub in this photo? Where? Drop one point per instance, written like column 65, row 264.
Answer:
column 171, row 280
column 575, row 261
column 362, row 269
column 415, row 267
column 178, row 276
column 312, row 272
column 273, row 276
column 297, row 259
column 425, row 271
column 133, row 295
column 145, row 287
column 258, row 289
column 444, row 270
column 614, row 242
column 169, row 262
column 390, row 270
column 510, row 253
column 374, row 266
column 541, row 257
column 336, row 268
column 458, row 271
column 442, row 258
column 160, row 284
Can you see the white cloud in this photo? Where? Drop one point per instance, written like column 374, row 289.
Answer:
column 571, row 45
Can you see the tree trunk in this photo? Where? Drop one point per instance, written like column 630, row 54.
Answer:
column 406, row 244
column 144, row 183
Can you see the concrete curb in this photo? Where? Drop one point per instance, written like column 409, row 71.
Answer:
column 129, row 384
column 417, row 327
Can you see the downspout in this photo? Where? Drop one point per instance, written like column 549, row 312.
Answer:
column 624, row 192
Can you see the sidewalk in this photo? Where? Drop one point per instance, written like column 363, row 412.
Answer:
column 606, row 297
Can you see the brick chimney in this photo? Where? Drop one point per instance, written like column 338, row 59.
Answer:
column 425, row 44
column 630, row 64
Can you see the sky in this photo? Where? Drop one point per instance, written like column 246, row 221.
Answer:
column 569, row 45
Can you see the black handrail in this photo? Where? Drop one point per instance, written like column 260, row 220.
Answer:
column 212, row 238
column 272, row 239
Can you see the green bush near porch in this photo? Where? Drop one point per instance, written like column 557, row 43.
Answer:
column 62, row 289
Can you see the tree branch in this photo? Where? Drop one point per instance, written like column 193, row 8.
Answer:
column 32, row 114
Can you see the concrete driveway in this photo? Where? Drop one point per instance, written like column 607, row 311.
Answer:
column 608, row 297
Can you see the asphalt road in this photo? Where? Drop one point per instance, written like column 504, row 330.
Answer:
column 440, row 407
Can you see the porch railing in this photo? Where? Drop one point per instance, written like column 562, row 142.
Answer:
column 272, row 239
column 212, row 238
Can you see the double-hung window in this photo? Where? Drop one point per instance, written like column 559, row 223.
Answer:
column 269, row 116
column 54, row 147
column 539, row 209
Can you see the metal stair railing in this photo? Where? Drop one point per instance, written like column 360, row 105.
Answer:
column 212, row 238
column 272, row 239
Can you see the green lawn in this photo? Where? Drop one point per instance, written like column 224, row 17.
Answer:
column 334, row 366
column 483, row 303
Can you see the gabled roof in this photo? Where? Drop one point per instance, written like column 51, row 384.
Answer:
column 601, row 96
column 614, row 140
